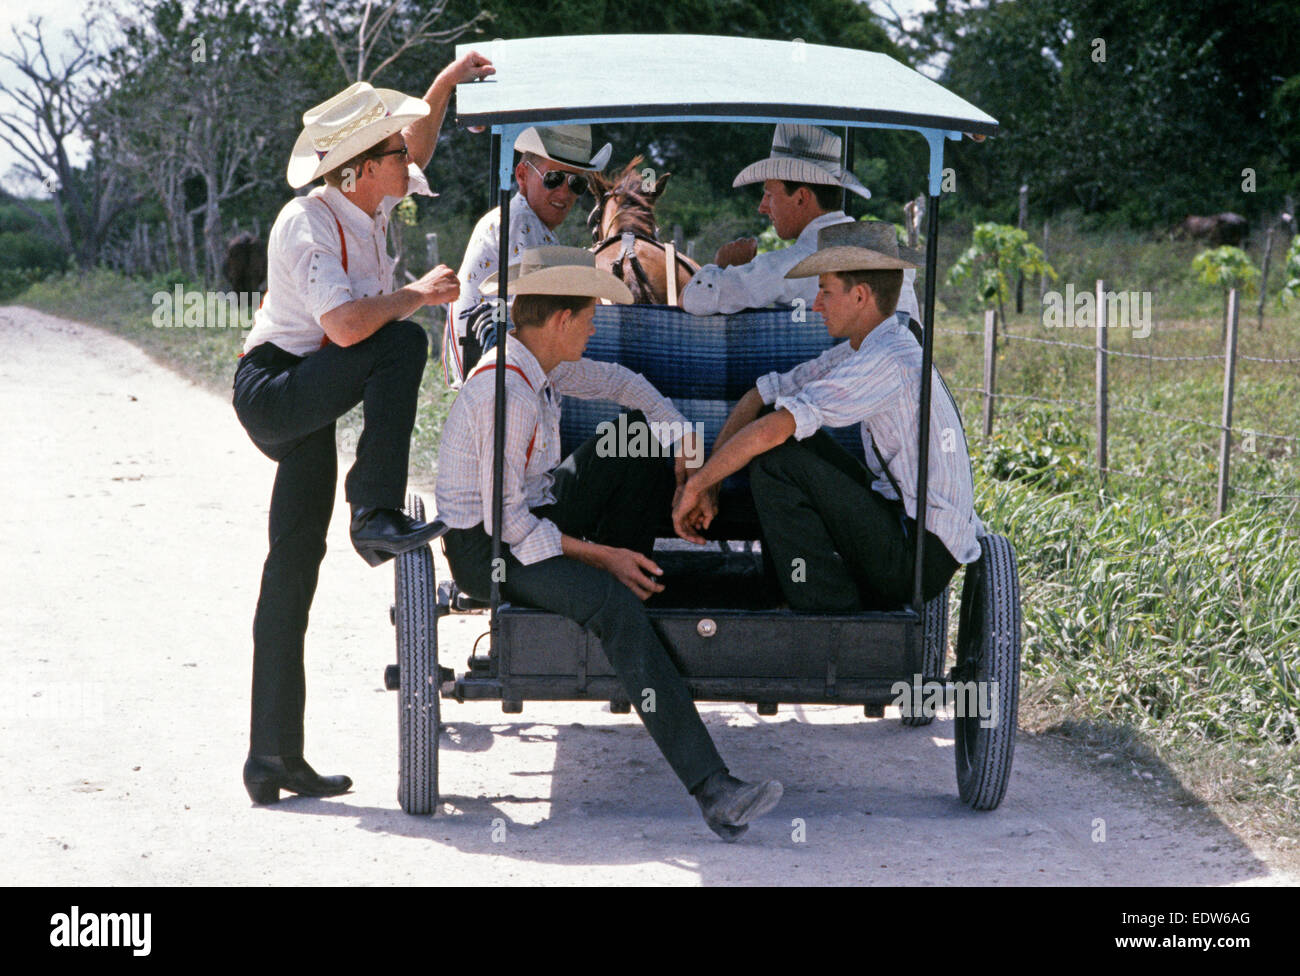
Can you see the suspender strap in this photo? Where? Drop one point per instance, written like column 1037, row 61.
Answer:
column 490, row 364
column 343, row 241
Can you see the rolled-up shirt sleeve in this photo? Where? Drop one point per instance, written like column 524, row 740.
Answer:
column 771, row 386
column 589, row 379
column 531, row 539
column 841, row 397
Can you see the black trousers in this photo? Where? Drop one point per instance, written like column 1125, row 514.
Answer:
column 835, row 544
column 614, row 501
column 288, row 405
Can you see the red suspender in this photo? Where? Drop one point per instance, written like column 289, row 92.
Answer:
column 484, row 367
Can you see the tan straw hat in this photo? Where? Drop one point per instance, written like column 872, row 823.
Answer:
column 566, row 144
column 346, row 125
column 558, row 270
column 857, row 245
column 802, row 154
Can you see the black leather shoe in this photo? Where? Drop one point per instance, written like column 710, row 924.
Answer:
column 266, row 776
column 729, row 803
column 379, row 534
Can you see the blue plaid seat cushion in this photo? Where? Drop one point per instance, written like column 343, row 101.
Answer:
column 704, row 364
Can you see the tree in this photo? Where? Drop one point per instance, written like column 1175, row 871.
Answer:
column 997, row 252
column 1227, row 268
column 52, row 105
column 383, row 32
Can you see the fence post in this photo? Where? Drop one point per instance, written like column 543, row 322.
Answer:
column 1103, row 391
column 1020, row 223
column 1229, row 373
column 1042, row 278
column 990, row 363
column 1263, row 275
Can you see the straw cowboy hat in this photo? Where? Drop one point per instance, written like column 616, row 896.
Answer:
column 346, row 125
column 558, row 270
column 802, row 154
column 857, row 245
column 566, row 144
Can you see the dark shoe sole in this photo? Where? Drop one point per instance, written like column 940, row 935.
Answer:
column 378, row 553
column 727, row 832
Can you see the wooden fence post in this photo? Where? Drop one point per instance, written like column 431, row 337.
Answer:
column 990, row 363
column 1103, row 392
column 1263, row 275
column 1229, row 374
column 1042, row 278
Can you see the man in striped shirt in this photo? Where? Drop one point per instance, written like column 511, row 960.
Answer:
column 841, row 536
column 577, row 534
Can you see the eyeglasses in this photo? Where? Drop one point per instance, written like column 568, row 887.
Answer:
column 552, row 179
column 404, row 152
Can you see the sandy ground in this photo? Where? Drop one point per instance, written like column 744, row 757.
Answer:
column 133, row 537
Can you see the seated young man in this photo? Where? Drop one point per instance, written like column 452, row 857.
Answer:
column 839, row 535
column 575, row 535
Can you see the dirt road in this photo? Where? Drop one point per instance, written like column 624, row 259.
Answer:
column 133, row 534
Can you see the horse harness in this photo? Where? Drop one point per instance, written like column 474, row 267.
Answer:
column 628, row 241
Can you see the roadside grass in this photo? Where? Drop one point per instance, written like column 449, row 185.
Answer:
column 1151, row 628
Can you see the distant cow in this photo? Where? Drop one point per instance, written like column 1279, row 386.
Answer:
column 245, row 266
column 1224, row 228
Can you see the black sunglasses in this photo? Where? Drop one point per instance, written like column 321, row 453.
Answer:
column 403, row 152
column 552, row 179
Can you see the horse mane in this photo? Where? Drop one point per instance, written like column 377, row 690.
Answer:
column 636, row 205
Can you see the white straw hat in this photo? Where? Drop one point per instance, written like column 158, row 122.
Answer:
column 802, row 154
column 354, row 120
column 558, row 270
column 856, row 245
column 566, row 144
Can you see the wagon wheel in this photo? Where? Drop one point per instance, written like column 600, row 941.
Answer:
column 934, row 648
column 988, row 653
column 415, row 615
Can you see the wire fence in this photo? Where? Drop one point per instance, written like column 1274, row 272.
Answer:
column 1102, row 403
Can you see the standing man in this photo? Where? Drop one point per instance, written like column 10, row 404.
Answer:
column 551, row 176
column 803, row 183
column 333, row 332
column 577, row 534
column 853, row 528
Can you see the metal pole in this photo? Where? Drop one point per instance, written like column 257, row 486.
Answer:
column 494, row 164
column 847, row 156
column 499, row 416
column 1229, row 374
column 1103, row 391
column 927, row 365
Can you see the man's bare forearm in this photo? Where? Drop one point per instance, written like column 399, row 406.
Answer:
column 754, row 439
column 361, row 318
column 742, row 415
column 422, row 134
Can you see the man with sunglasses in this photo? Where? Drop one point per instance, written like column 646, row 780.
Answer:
column 332, row 332
column 551, row 175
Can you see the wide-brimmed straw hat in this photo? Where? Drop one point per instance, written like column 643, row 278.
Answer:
column 567, row 144
column 802, row 154
column 558, row 270
column 354, row 120
column 857, row 245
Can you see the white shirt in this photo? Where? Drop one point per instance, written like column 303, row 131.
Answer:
column 464, row 486
column 526, row 230
column 305, row 276
column 762, row 281
column 878, row 386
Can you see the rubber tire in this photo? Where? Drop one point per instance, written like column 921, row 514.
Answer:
column 416, row 599
column 934, row 648
column 988, row 636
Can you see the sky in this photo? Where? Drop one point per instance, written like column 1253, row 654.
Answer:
column 60, row 15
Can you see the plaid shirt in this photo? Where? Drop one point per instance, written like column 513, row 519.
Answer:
column 532, row 449
column 877, row 386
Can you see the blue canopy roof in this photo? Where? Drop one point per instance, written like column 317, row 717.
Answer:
column 692, row 77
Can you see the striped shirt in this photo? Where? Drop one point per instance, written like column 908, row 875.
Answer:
column 532, row 449
column 877, row 386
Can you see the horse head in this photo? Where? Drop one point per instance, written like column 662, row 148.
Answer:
column 626, row 202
